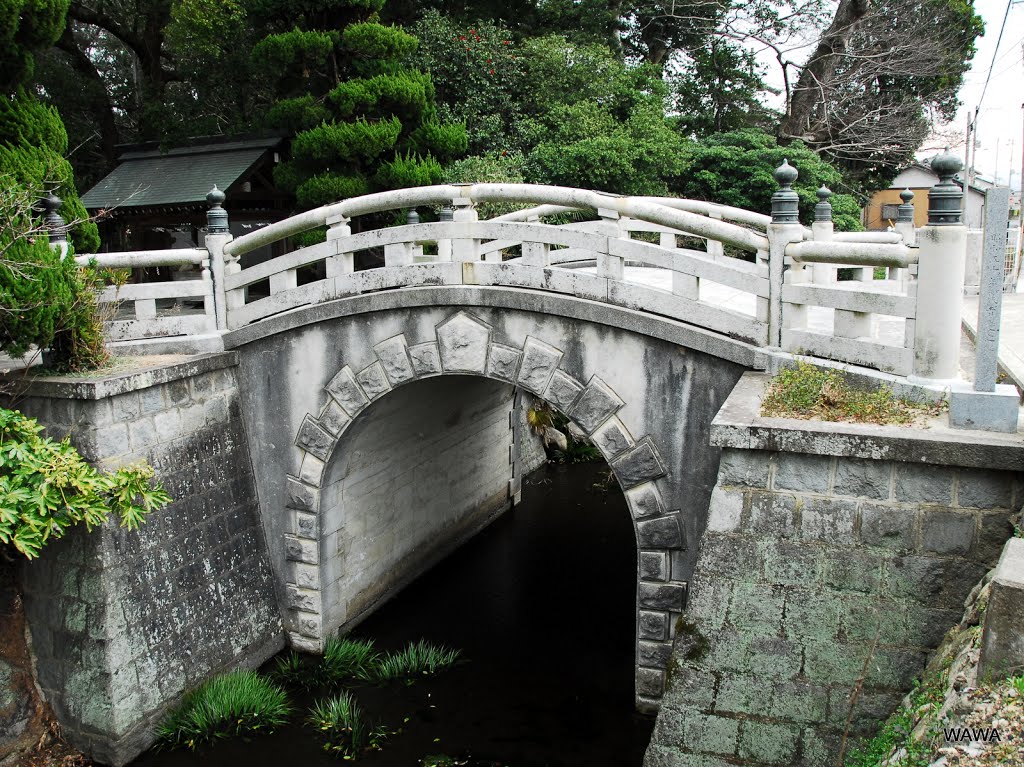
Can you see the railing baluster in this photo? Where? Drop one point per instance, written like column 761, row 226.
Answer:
column 536, row 253
column 608, row 266
column 683, row 284
column 145, row 309
column 465, row 248
column 339, row 262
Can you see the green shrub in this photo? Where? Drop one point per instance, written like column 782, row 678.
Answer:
column 345, row 727
column 236, row 703
column 46, row 487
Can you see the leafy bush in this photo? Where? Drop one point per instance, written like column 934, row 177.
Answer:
column 46, row 487
column 737, row 169
column 236, row 703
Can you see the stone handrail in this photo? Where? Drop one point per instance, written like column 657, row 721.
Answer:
column 138, row 315
column 566, row 198
column 785, row 297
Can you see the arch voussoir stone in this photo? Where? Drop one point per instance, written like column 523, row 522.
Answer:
column 595, row 404
column 393, row 355
column 503, row 362
column 563, row 390
column 464, row 344
column 540, row 360
column 426, row 359
column 373, row 381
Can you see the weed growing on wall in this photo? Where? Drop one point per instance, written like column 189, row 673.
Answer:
column 896, row 732
column 234, row 704
column 810, row 392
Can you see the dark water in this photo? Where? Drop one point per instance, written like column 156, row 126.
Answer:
column 542, row 606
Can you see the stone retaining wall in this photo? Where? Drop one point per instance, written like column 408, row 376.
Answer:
column 822, row 583
column 123, row 622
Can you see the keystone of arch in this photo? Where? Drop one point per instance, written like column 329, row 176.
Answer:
column 463, row 344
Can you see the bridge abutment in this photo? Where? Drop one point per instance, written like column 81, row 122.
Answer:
column 123, row 622
column 835, row 559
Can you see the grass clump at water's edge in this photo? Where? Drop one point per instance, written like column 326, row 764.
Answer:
column 346, row 658
column 415, row 659
column 344, row 725
column 809, row 392
column 233, row 704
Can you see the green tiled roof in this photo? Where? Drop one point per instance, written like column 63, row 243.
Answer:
column 180, row 176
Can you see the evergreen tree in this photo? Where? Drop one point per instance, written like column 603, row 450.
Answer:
column 43, row 299
column 362, row 120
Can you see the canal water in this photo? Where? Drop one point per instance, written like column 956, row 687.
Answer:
column 541, row 604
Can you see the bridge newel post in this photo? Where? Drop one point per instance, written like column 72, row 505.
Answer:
column 905, row 228
column 822, row 230
column 784, row 229
column 339, row 262
column 218, row 234
column 942, row 249
column 56, row 226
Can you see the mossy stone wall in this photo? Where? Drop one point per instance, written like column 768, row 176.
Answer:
column 819, row 576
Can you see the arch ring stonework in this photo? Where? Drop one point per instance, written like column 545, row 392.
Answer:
column 464, row 345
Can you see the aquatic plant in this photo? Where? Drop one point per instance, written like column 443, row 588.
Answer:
column 294, row 670
column 346, row 658
column 236, row 703
column 344, row 725
column 416, row 659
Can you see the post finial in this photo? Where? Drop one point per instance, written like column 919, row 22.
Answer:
column 823, row 210
column 216, row 216
column 447, row 213
column 785, row 202
column 56, row 226
column 905, row 212
column 944, row 198
column 412, row 217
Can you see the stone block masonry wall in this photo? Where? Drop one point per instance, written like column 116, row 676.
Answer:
column 123, row 622
column 819, row 576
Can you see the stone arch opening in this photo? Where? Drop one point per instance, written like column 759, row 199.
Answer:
column 466, row 346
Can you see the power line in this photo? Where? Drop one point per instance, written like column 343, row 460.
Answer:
column 995, row 53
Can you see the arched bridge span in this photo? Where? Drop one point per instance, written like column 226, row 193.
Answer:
column 314, row 383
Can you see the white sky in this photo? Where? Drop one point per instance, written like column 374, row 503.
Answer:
column 1000, row 119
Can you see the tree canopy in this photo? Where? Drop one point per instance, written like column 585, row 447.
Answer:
column 375, row 95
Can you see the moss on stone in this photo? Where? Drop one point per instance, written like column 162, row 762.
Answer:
column 696, row 644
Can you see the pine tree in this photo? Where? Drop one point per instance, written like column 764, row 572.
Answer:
column 42, row 298
column 362, row 120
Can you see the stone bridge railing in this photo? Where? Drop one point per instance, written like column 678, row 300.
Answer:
column 764, row 280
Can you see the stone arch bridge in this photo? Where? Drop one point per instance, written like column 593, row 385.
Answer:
column 381, row 412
